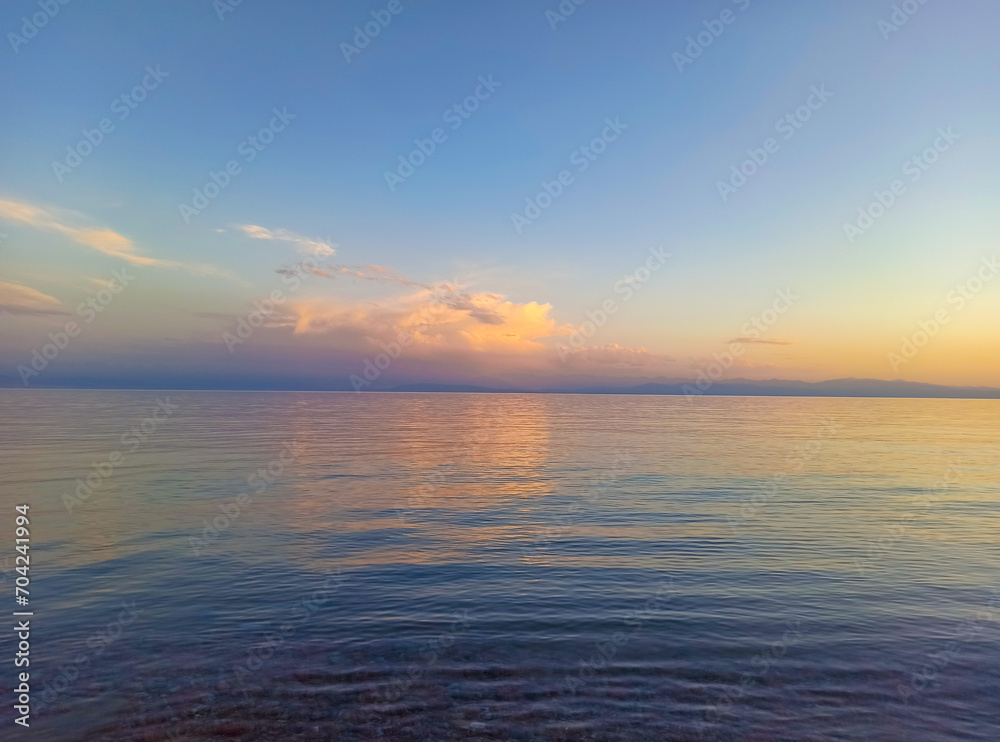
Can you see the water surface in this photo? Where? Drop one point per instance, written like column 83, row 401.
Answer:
column 267, row 566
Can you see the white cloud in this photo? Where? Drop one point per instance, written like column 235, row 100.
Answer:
column 305, row 245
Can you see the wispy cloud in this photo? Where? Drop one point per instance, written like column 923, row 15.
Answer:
column 305, row 245
column 761, row 341
column 18, row 299
column 309, row 246
column 104, row 240
column 376, row 274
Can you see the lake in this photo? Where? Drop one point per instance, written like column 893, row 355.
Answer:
column 313, row 566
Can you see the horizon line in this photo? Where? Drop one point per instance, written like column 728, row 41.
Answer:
column 496, row 392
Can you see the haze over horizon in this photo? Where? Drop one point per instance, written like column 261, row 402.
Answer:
column 499, row 194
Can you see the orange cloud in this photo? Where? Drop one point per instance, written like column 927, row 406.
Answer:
column 436, row 322
column 761, row 341
column 16, row 298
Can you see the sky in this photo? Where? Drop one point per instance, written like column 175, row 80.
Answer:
column 358, row 195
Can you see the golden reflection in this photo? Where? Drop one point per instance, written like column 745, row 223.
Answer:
column 430, row 478
column 380, row 467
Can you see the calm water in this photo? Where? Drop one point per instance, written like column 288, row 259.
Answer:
column 439, row 567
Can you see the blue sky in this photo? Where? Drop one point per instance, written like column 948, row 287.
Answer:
column 448, row 227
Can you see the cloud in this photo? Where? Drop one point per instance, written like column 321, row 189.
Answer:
column 443, row 325
column 103, row 240
column 378, row 274
column 481, row 323
column 762, row 341
column 305, row 245
column 18, row 299
column 457, row 329
column 20, row 212
column 481, row 312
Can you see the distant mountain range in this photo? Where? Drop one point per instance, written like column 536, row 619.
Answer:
column 744, row 387
column 541, row 385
